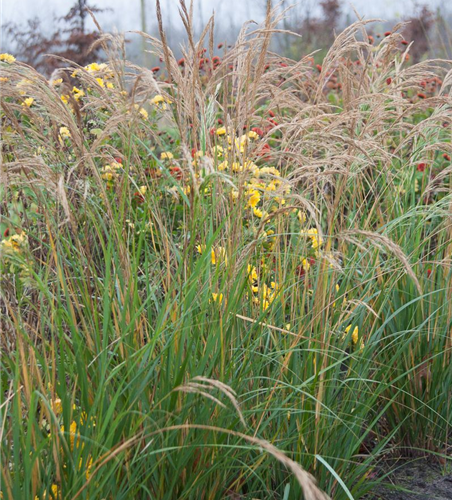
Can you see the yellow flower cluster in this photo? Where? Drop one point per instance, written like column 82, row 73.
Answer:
column 54, row 494
column 111, row 172
column 78, row 93
column 101, row 72
column 28, row 102
column 8, row 58
column 263, row 294
column 64, row 133
column 316, row 239
column 355, row 335
column 142, row 111
column 14, row 243
column 217, row 297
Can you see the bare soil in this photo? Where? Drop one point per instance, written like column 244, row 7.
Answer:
column 419, row 480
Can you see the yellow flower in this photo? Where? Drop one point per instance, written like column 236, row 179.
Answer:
column 217, row 297
column 143, row 190
column 160, row 101
column 316, row 239
column 78, row 93
column 301, row 216
column 54, row 493
column 73, row 434
column 56, row 82
column 253, row 135
column 217, row 255
column 57, row 406
column 257, row 212
column 254, row 198
column 8, row 58
column 220, row 131
column 355, row 333
column 218, row 151
column 252, row 273
column 28, row 102
column 64, row 133
column 65, row 98
column 109, row 172
column 88, row 467
column 100, row 81
column 166, row 155
column 14, row 243
column 92, row 68
column 142, row 111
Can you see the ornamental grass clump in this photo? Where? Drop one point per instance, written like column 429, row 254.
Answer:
column 226, row 278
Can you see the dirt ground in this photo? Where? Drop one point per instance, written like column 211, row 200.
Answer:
column 417, row 481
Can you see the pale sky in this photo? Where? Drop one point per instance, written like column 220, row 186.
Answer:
column 126, row 14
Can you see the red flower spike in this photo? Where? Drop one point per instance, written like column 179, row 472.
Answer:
column 319, row 68
column 421, row 95
column 118, row 160
column 181, row 62
column 139, row 198
column 155, row 69
column 429, row 273
column 264, row 152
column 387, row 33
column 6, row 232
column 388, row 81
column 220, row 45
column 446, row 156
column 421, row 167
column 258, row 131
column 177, row 173
column 404, row 42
